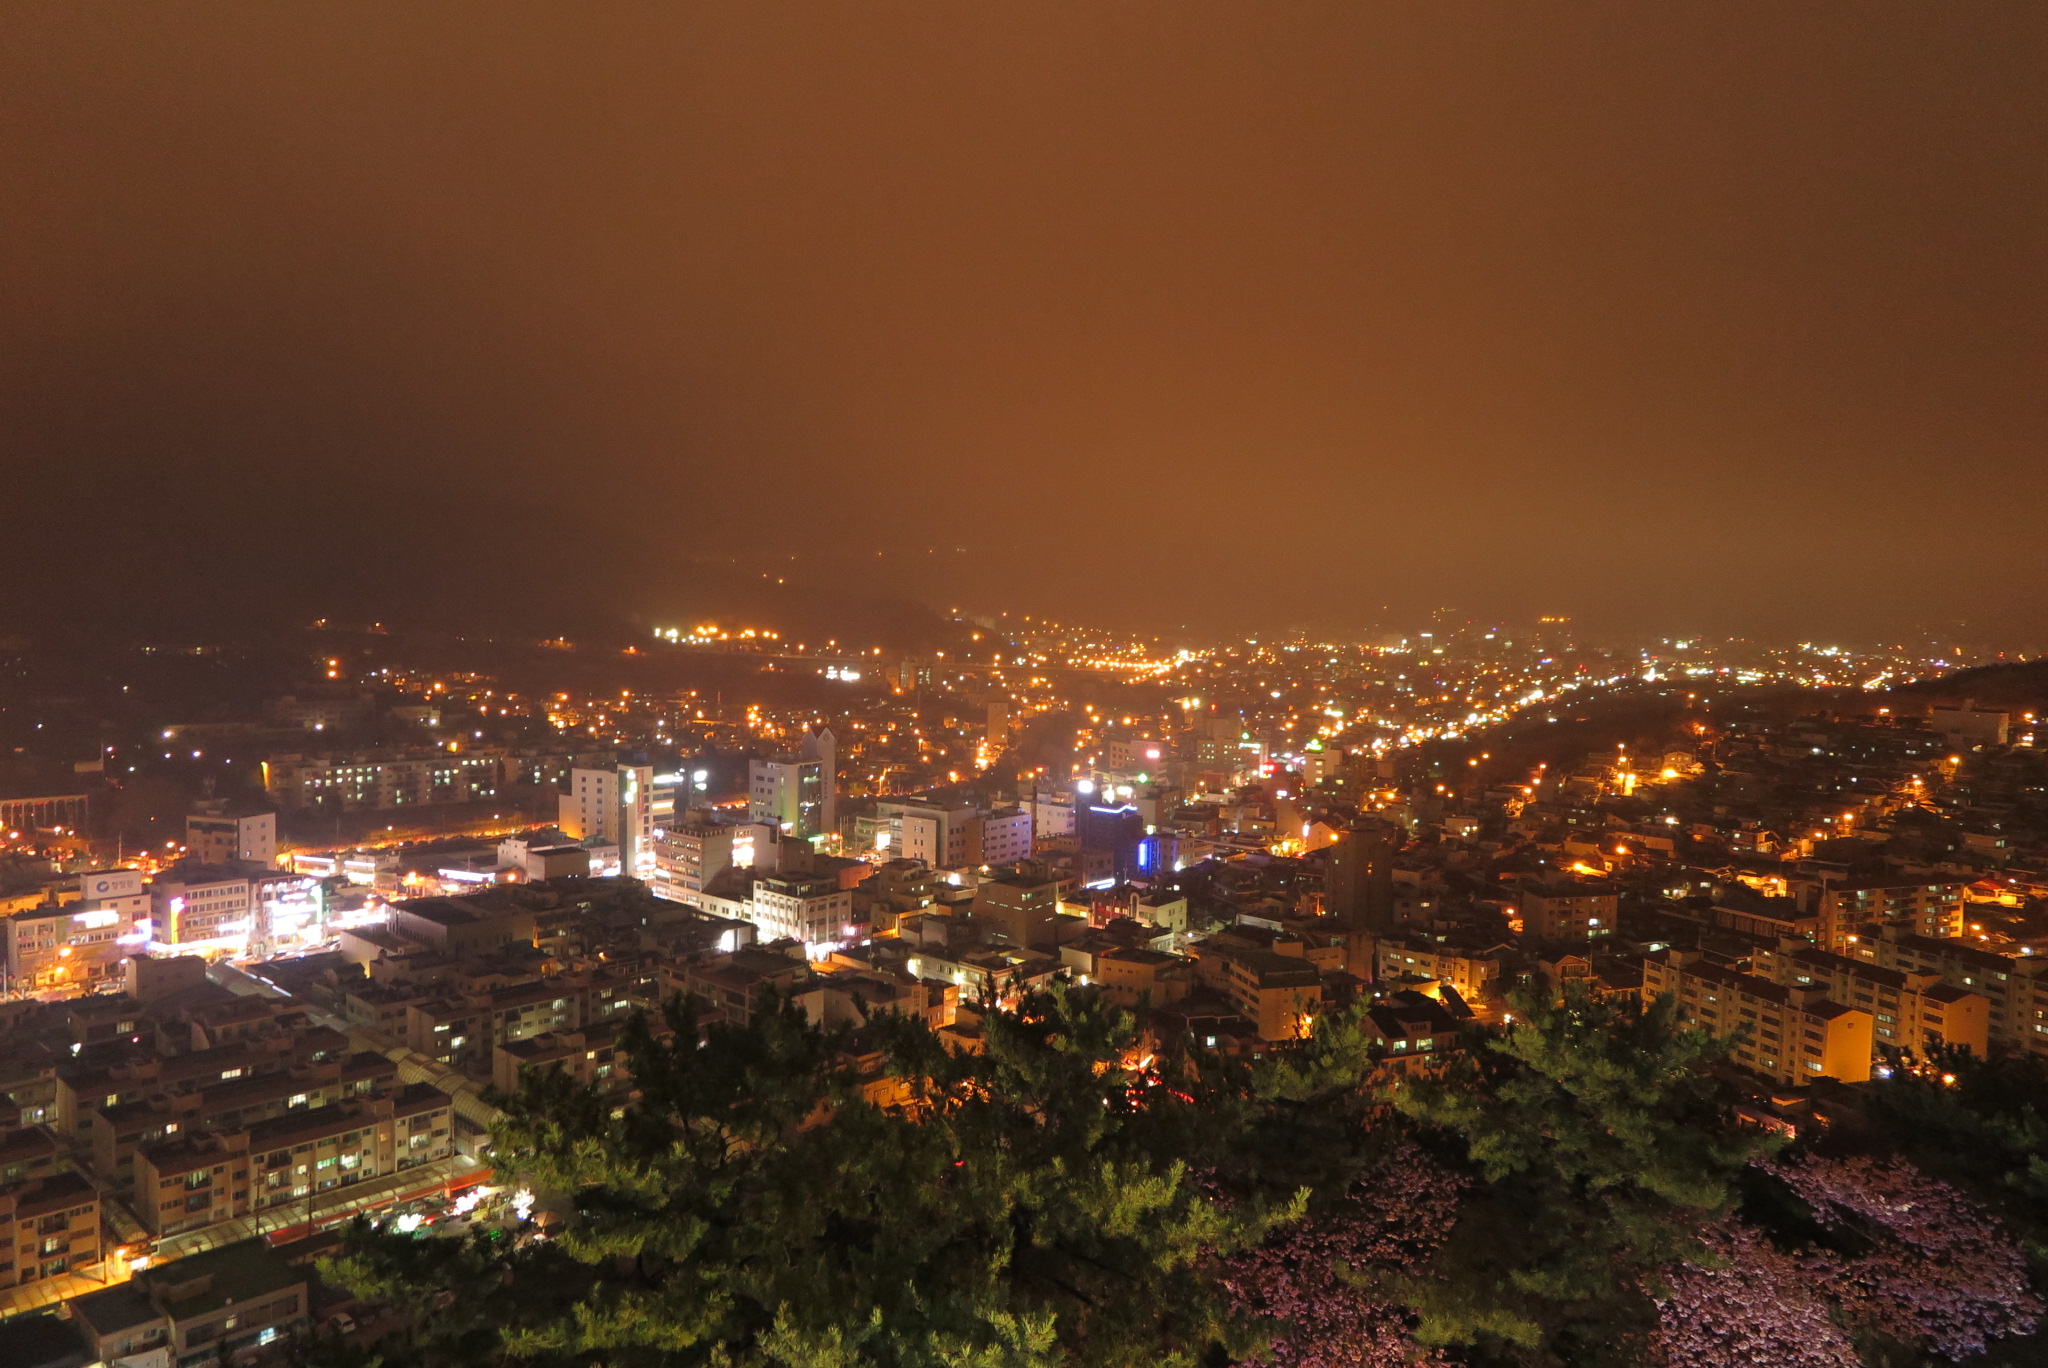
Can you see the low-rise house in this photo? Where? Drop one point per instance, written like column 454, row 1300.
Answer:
column 201, row 1311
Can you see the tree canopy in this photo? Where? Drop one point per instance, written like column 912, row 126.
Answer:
column 1575, row 1190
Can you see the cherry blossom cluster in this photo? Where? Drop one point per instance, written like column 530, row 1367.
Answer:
column 1748, row 1306
column 1311, row 1284
column 1938, row 1269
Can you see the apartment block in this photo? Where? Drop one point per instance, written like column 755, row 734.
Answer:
column 2014, row 987
column 200, row 1311
column 48, row 1226
column 1278, row 993
column 1850, row 910
column 1914, row 1011
column 1569, row 911
column 463, row 1029
column 188, row 1184
column 381, row 779
column 591, row 1058
column 1791, row 1034
column 207, row 1178
column 1473, row 972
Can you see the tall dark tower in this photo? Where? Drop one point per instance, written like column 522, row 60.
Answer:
column 1359, row 889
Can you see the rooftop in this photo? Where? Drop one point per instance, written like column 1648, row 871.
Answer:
column 199, row 1283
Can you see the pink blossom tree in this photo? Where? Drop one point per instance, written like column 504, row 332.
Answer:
column 1936, row 1269
column 1752, row 1306
column 1312, row 1285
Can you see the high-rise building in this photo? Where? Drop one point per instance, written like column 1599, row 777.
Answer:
column 220, row 830
column 1359, row 880
column 615, row 805
column 798, row 794
column 787, row 793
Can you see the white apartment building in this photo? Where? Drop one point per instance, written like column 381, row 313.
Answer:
column 616, row 806
column 351, row 783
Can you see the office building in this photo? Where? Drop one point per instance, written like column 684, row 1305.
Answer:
column 815, row 911
column 73, row 947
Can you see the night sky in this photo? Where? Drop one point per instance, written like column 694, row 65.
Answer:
column 1240, row 316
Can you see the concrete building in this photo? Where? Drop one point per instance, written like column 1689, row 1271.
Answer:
column 203, row 1178
column 1964, row 724
column 1473, row 972
column 1569, row 912
column 1412, row 1031
column 591, row 1056
column 614, row 806
column 1133, row 975
column 193, row 1182
column 1005, row 836
column 696, row 850
column 201, row 1311
column 1359, row 878
column 1851, row 909
column 1024, row 903
column 201, row 906
column 1279, row 994
column 374, row 780
column 463, row 925
column 2014, row 987
column 942, row 837
column 1914, row 1011
column 1165, row 911
column 798, row 794
column 813, row 910
column 1051, row 817
column 1793, row 1034
column 220, row 831
column 48, row 1226
column 76, row 946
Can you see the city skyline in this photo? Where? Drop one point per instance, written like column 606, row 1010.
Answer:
column 1180, row 684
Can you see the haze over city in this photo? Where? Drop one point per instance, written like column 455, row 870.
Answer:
column 1217, row 315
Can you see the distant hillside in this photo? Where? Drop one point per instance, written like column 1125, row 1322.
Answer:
column 1641, row 717
column 442, row 558
column 2021, row 685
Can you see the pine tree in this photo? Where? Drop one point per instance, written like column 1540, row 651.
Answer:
column 1604, row 1153
column 1030, row 1206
